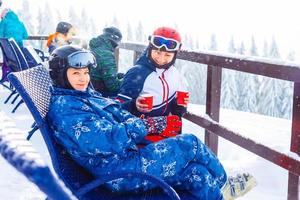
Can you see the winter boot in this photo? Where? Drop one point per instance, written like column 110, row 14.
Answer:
column 238, row 186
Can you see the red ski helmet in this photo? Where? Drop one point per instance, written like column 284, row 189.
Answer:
column 168, row 33
column 166, row 39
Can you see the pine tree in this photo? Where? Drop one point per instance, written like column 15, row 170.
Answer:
column 130, row 36
column 231, row 47
column 73, row 18
column 140, row 35
column 26, row 18
column 265, row 49
column 213, row 43
column 253, row 49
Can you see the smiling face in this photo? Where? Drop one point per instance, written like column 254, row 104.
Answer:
column 78, row 78
column 162, row 57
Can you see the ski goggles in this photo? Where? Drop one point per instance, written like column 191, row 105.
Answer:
column 82, row 59
column 169, row 44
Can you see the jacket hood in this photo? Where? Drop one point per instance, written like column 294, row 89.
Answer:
column 101, row 42
column 11, row 16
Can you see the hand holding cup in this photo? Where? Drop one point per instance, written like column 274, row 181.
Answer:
column 182, row 98
column 144, row 103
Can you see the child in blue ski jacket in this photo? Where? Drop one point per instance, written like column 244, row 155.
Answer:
column 154, row 73
column 102, row 137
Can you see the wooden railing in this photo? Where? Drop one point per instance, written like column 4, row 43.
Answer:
column 210, row 122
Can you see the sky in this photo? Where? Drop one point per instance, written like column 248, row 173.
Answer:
column 270, row 131
column 264, row 19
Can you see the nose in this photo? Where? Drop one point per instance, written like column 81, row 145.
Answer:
column 161, row 59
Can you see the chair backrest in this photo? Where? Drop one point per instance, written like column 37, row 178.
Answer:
column 10, row 58
column 18, row 51
column 22, row 156
column 33, row 86
column 31, row 56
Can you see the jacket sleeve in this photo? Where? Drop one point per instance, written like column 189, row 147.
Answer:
column 107, row 69
column 2, row 29
column 133, row 83
column 77, row 126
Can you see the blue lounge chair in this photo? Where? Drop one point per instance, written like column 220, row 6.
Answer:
column 33, row 86
column 23, row 157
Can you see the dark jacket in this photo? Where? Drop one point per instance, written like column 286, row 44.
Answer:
column 105, row 77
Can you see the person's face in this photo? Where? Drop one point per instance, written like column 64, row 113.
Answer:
column 71, row 33
column 78, row 78
column 162, row 57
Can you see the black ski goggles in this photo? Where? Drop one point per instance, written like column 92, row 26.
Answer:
column 82, row 59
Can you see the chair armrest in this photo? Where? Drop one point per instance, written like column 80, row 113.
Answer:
column 94, row 184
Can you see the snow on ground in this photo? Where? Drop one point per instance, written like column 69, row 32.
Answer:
column 274, row 132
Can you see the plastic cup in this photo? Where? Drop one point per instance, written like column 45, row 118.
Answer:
column 181, row 95
column 148, row 99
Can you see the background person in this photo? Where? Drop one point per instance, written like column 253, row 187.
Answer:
column 105, row 77
column 63, row 35
column 12, row 27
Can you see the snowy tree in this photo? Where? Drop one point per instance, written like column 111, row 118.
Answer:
column 291, row 56
column 285, row 99
column 46, row 25
column 26, row 17
column 265, row 49
column 231, row 47
column 130, row 36
column 140, row 34
column 213, row 43
column 241, row 50
column 115, row 22
column 274, row 52
column 73, row 18
column 253, row 49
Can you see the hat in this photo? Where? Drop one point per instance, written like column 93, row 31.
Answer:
column 63, row 27
column 113, row 34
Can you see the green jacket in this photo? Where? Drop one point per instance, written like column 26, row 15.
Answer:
column 104, row 78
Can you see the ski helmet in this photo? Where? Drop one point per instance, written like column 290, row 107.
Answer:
column 65, row 57
column 165, row 39
column 113, row 34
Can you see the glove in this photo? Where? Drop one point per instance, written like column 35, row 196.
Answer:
column 162, row 127
column 174, row 125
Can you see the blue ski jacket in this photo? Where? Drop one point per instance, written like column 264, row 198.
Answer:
column 12, row 27
column 103, row 138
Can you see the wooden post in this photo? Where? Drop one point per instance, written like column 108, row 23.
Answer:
column 293, row 182
column 213, row 96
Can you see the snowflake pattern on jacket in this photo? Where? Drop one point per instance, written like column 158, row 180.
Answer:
column 102, row 137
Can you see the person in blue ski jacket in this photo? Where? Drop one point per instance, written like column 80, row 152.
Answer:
column 154, row 73
column 103, row 137
column 12, row 27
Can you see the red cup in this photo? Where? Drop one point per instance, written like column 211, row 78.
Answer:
column 148, row 99
column 181, row 95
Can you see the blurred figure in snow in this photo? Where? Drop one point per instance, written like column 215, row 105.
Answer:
column 12, row 27
column 105, row 77
column 63, row 35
